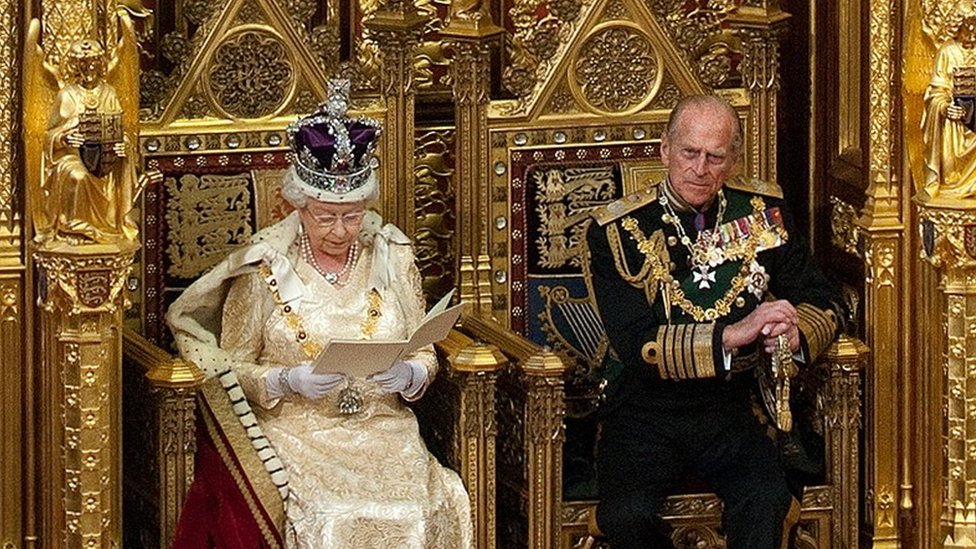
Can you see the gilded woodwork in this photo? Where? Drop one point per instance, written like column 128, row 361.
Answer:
column 567, row 96
column 13, row 318
column 542, row 38
column 81, row 306
column 845, row 360
column 201, row 96
column 246, row 61
column 66, row 23
column 532, row 434
column 17, row 515
column 471, row 83
column 11, row 218
column 761, row 78
column 172, row 384
column 884, row 261
column 844, row 232
column 475, row 366
column 618, row 70
column 270, row 79
column 398, row 29
column 197, row 27
column 435, row 237
column 947, row 237
column 887, row 478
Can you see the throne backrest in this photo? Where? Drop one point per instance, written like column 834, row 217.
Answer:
column 567, row 318
column 208, row 204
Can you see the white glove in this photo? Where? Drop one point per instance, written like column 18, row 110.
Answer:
column 301, row 379
column 405, row 377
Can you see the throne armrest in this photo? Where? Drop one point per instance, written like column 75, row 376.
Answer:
column 844, row 360
column 457, row 422
column 531, row 400
column 159, row 437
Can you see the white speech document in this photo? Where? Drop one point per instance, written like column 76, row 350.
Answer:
column 363, row 357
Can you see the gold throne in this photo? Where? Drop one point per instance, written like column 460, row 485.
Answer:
column 582, row 130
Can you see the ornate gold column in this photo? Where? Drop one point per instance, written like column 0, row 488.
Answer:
column 80, row 376
column 470, row 34
column 948, row 230
column 846, row 358
column 397, row 28
column 761, row 25
column 16, row 489
column 175, row 383
column 545, row 434
column 477, row 366
column 882, row 226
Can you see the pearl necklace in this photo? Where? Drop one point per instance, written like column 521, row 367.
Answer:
column 331, row 277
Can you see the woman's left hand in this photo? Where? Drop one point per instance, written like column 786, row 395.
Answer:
column 404, row 377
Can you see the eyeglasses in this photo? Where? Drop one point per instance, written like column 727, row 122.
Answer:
column 328, row 221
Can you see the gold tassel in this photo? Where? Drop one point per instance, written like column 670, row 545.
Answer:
column 783, row 370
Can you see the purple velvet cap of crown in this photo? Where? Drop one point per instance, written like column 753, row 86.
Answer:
column 317, row 139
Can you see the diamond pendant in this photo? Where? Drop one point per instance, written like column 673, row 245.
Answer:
column 331, row 278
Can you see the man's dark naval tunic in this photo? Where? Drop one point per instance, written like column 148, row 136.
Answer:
column 680, row 408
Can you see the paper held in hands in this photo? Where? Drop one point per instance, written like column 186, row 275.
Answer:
column 363, row 357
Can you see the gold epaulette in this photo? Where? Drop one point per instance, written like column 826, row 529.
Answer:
column 623, row 206
column 755, row 186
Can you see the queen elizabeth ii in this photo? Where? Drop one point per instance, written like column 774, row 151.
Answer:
column 344, row 452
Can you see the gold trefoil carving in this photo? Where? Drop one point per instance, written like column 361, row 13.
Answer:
column 618, row 69
column 880, row 259
column 207, row 216
column 251, row 75
column 564, row 199
column 9, row 302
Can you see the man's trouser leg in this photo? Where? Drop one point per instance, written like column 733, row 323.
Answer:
column 744, row 469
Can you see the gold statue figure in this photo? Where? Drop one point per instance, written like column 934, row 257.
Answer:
column 948, row 119
column 80, row 137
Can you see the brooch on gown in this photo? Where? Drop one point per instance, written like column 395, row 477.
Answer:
column 350, row 400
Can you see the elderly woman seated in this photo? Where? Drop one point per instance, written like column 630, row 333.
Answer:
column 343, row 451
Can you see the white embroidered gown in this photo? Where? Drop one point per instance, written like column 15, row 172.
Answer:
column 357, row 481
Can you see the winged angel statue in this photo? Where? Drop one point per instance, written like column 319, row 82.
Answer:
column 939, row 91
column 80, row 136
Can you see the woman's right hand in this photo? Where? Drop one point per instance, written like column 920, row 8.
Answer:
column 303, row 380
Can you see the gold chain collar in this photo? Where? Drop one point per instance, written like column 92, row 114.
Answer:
column 661, row 272
column 293, row 320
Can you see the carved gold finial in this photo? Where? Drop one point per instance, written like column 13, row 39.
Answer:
column 479, row 357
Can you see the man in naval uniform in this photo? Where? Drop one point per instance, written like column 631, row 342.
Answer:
column 685, row 272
